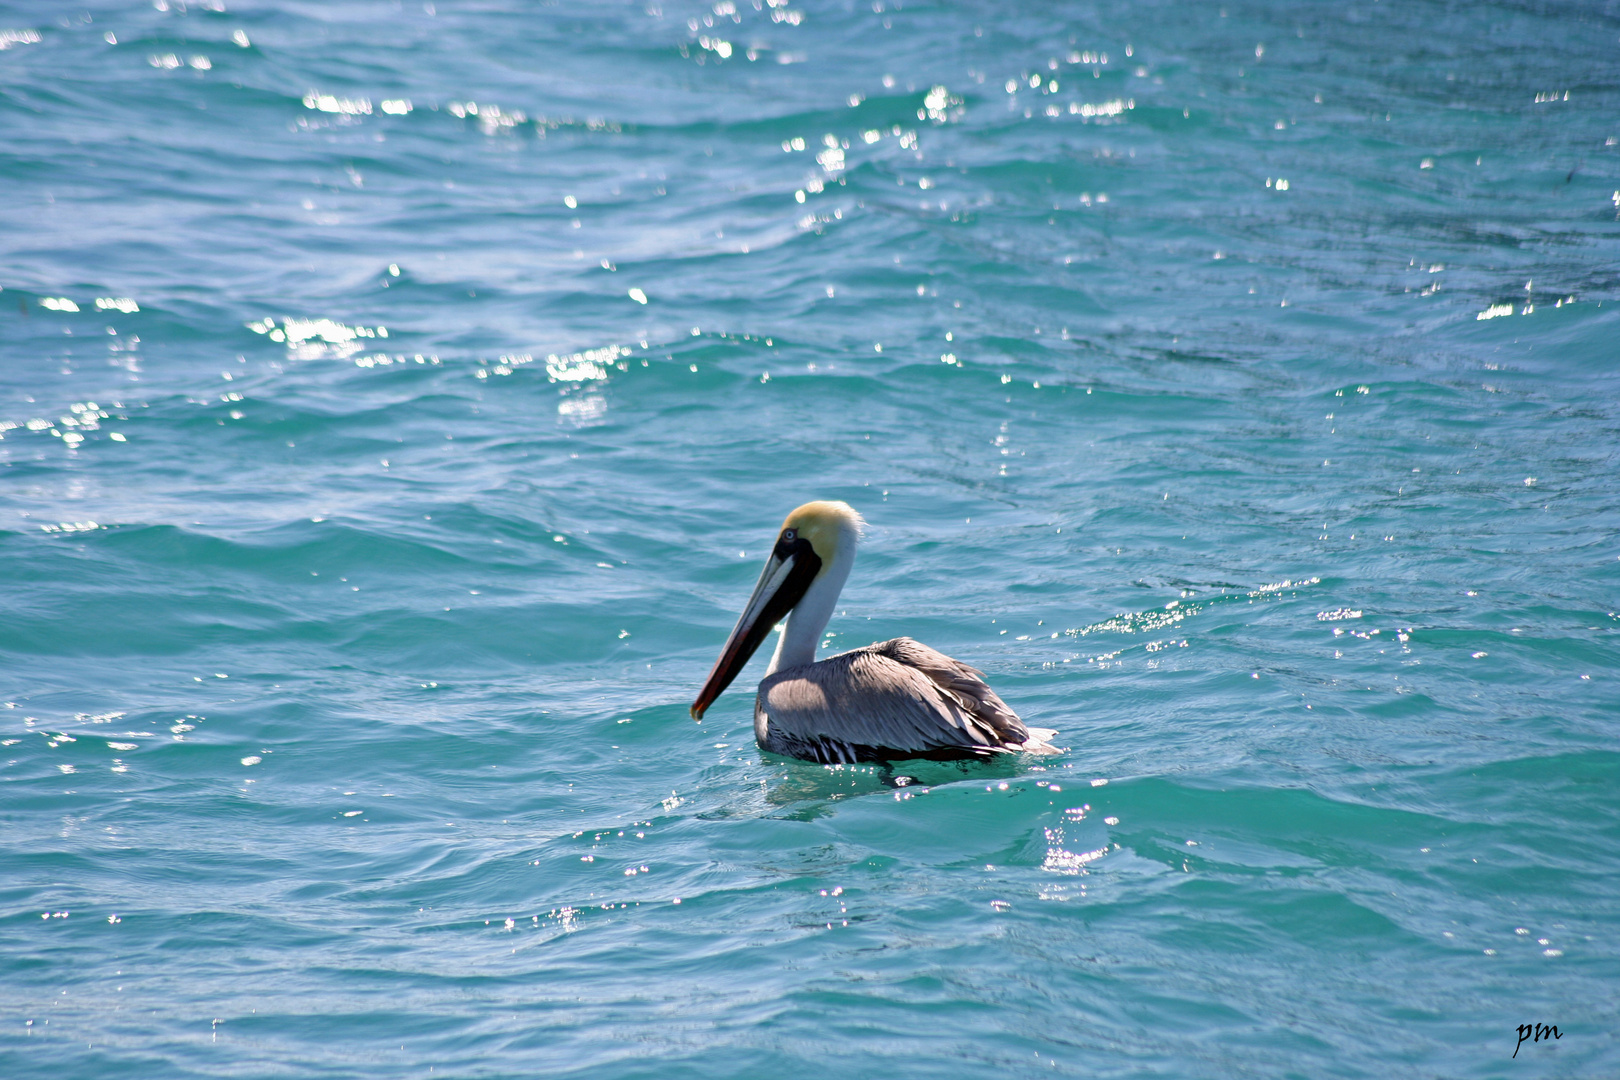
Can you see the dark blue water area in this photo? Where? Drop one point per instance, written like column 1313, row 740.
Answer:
column 398, row 401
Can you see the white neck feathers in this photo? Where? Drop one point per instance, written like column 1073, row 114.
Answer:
column 796, row 645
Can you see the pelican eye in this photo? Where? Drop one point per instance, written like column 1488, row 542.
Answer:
column 789, row 534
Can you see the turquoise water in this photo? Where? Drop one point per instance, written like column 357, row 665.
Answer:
column 1243, row 398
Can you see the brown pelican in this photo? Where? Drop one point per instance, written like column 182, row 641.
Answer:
column 893, row 699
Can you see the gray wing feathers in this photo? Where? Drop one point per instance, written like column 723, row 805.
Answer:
column 898, row 694
column 961, row 684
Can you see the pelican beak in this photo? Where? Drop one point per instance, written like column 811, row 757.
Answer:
column 793, row 565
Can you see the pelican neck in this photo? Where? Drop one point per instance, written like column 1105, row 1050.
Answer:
column 801, row 633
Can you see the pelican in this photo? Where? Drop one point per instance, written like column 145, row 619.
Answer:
column 892, row 699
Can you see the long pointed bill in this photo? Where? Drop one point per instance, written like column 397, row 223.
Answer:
column 787, row 574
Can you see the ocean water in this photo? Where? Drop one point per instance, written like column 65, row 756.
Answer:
column 398, row 401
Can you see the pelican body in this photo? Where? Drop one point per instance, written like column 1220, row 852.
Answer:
column 892, row 699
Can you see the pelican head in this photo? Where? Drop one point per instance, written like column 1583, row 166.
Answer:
column 812, row 556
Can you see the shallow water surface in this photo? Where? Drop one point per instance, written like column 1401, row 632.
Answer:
column 398, row 401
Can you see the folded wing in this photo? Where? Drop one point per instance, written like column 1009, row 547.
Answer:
column 897, row 696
